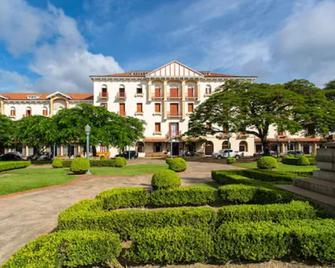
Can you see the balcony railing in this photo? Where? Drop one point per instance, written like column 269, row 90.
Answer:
column 156, row 97
column 103, row 96
column 174, row 115
column 173, row 134
column 177, row 97
column 121, row 96
column 191, row 97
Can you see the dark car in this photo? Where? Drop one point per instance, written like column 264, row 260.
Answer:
column 129, row 154
column 40, row 157
column 11, row 156
column 295, row 153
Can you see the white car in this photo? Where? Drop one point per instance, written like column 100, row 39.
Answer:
column 228, row 153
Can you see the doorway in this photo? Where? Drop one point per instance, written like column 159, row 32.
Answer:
column 175, row 148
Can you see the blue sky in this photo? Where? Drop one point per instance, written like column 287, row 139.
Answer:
column 56, row 44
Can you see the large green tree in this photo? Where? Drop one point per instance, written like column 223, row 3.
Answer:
column 7, row 131
column 247, row 107
column 330, row 90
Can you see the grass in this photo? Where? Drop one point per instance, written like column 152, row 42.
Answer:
column 281, row 167
column 130, row 170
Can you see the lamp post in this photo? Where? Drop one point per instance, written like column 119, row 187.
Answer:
column 88, row 131
column 228, row 139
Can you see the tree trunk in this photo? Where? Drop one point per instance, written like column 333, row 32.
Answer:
column 266, row 147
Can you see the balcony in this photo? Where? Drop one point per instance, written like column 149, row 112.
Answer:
column 173, row 134
column 191, row 97
column 103, row 96
column 156, row 97
column 121, row 96
column 174, row 97
column 174, row 115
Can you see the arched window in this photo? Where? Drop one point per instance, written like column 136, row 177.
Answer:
column 139, row 89
column 12, row 111
column 209, row 148
column 208, row 90
column 28, row 111
column 243, row 147
column 226, row 145
column 104, row 91
column 122, row 91
column 45, row 111
column 140, row 147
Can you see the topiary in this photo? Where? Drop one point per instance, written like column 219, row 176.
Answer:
column 231, row 160
column 120, row 161
column 165, row 179
column 303, row 161
column 267, row 162
column 80, row 165
column 177, row 164
column 57, row 163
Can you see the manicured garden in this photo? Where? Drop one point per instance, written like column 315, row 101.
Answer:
column 240, row 217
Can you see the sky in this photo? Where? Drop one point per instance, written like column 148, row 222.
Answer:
column 49, row 45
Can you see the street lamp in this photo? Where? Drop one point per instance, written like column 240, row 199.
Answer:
column 88, row 131
column 228, row 139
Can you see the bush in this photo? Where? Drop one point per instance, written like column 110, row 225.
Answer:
column 311, row 159
column 124, row 198
column 125, row 222
column 183, row 196
column 9, row 165
column 271, row 212
column 234, row 177
column 170, row 245
column 231, row 160
column 165, row 179
column 67, row 248
column 241, row 194
column 80, row 165
column 267, row 162
column 177, row 164
column 267, row 175
column 303, row 161
column 120, row 161
column 57, row 163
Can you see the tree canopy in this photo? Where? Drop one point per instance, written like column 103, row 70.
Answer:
column 7, row 130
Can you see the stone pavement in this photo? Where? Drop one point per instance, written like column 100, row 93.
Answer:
column 24, row 216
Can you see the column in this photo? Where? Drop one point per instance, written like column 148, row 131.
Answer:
column 314, row 146
column 198, row 93
column 79, row 149
column 282, row 148
column 27, row 150
column 183, row 101
column 164, row 103
column 149, row 90
column 62, row 150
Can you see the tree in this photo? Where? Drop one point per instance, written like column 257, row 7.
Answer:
column 330, row 90
column 7, row 130
column 245, row 107
column 36, row 131
column 330, row 85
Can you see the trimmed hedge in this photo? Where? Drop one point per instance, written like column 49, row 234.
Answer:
column 67, row 248
column 241, row 194
column 57, row 163
column 9, row 165
column 271, row 212
column 231, row 160
column 177, row 164
column 80, row 165
column 102, row 163
column 182, row 196
column 125, row 222
column 165, row 179
column 267, row 162
column 170, row 245
column 267, row 175
column 230, row 177
column 120, row 161
column 299, row 161
column 124, row 198
column 303, row 161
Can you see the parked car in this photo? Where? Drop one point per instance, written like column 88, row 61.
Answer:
column 259, row 154
column 189, row 153
column 129, row 154
column 11, row 156
column 295, row 153
column 228, row 153
column 40, row 157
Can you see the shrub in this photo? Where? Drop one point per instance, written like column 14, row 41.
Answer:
column 189, row 195
column 177, row 164
column 124, row 198
column 231, row 160
column 57, row 163
column 9, row 165
column 267, row 175
column 241, row 194
column 67, row 248
column 312, row 159
column 271, row 212
column 267, row 162
column 289, row 160
column 80, row 165
column 170, row 245
column 165, row 179
column 250, row 241
column 124, row 222
column 120, row 161
column 234, row 177
column 303, row 161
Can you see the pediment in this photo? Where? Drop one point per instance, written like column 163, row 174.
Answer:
column 174, row 69
column 58, row 93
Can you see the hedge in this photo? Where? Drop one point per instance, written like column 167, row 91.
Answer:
column 99, row 163
column 124, row 222
column 80, row 165
column 170, row 245
column 177, row 164
column 57, row 163
column 267, row 175
column 230, row 177
column 67, row 248
column 299, row 161
column 270, row 212
column 241, row 194
column 182, row 196
column 124, row 198
column 165, row 179
column 9, row 165
column 267, row 162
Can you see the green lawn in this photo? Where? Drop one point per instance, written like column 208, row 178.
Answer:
column 130, row 170
column 281, row 167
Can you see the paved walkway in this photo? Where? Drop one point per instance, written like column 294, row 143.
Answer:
column 25, row 216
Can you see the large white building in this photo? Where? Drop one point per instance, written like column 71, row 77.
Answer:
column 163, row 98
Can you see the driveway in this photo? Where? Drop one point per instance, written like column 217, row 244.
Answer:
column 24, row 216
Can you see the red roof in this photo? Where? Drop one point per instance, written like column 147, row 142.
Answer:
column 43, row 96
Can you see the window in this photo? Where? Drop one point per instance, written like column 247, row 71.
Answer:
column 173, row 129
column 104, row 91
column 139, row 90
column 174, row 109
column 140, row 147
column 12, row 111
column 122, row 91
column 122, row 109
column 190, row 107
column 190, row 92
column 157, row 147
column 157, row 127
column 243, row 147
column 139, row 108
column 208, row 90
column 174, row 92
column 45, row 111
column 225, row 145
column 157, row 107
column 158, row 92
column 28, row 111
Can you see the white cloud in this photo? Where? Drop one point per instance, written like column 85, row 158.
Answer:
column 13, row 81
column 59, row 52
